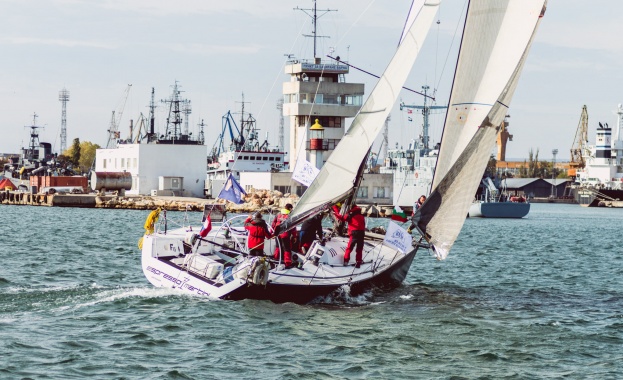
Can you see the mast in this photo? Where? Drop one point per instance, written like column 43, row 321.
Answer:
column 426, row 110
column 31, row 153
column 152, row 117
column 314, row 16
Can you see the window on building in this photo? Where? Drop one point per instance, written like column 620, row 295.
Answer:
column 330, row 121
column 283, row 189
column 301, row 121
column 277, row 158
column 381, row 192
column 362, row 192
column 175, row 183
column 353, row 100
column 330, row 99
column 319, row 99
column 104, row 163
column 135, row 162
column 271, row 158
column 300, row 190
column 303, row 98
column 264, row 158
column 123, row 162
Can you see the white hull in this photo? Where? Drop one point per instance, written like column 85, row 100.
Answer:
column 220, row 272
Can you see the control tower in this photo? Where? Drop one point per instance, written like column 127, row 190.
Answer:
column 318, row 90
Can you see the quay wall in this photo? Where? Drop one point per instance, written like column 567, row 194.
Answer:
column 258, row 200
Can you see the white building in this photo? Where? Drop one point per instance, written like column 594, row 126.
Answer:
column 158, row 169
column 374, row 189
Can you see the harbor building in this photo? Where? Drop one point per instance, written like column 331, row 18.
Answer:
column 318, row 90
column 153, row 175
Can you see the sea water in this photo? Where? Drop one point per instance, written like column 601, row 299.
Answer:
column 540, row 297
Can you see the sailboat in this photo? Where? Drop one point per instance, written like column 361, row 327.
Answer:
column 496, row 39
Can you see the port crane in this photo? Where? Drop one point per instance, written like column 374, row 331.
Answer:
column 113, row 131
column 579, row 144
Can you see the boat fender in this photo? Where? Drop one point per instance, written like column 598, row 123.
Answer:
column 259, row 272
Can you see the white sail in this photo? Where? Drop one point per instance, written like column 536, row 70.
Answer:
column 416, row 5
column 468, row 141
column 338, row 174
column 495, row 36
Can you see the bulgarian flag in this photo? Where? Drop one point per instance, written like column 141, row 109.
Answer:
column 399, row 215
column 206, row 227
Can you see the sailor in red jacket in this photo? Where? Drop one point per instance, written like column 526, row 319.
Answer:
column 285, row 238
column 356, row 231
column 258, row 231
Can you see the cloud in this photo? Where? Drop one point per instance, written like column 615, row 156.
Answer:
column 54, row 42
column 184, row 7
column 203, row 49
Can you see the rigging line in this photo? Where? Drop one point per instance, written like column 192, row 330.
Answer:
column 403, row 186
column 356, row 21
column 280, row 71
column 376, row 76
column 458, row 24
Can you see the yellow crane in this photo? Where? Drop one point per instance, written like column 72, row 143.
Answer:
column 579, row 144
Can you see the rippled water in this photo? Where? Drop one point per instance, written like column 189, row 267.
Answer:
column 540, row 297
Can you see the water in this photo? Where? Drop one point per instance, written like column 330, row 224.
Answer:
column 540, row 297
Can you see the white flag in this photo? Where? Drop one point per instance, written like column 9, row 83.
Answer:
column 304, row 172
column 397, row 237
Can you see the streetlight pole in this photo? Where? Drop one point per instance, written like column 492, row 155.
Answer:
column 554, row 193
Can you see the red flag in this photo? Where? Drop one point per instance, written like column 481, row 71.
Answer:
column 206, row 227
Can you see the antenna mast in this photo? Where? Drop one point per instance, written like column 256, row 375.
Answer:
column 314, row 16
column 63, row 96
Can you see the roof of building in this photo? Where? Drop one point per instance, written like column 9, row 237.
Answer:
column 518, row 183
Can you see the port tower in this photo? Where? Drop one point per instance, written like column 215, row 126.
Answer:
column 63, row 97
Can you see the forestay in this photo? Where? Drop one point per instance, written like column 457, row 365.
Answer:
column 337, row 176
column 496, row 40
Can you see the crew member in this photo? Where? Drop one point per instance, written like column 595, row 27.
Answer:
column 310, row 230
column 356, row 231
column 258, row 232
column 416, row 207
column 285, row 238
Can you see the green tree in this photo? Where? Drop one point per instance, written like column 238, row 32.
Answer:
column 491, row 169
column 87, row 155
column 75, row 153
column 533, row 164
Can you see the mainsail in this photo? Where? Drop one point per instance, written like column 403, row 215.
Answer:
column 338, row 175
column 496, row 40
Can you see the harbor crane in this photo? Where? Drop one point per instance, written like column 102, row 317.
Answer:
column 579, row 144
column 113, row 130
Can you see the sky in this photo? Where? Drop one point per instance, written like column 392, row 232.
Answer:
column 219, row 50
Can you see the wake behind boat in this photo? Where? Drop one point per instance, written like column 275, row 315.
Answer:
column 219, row 263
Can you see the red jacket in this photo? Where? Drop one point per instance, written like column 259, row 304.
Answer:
column 356, row 221
column 280, row 218
column 258, row 232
